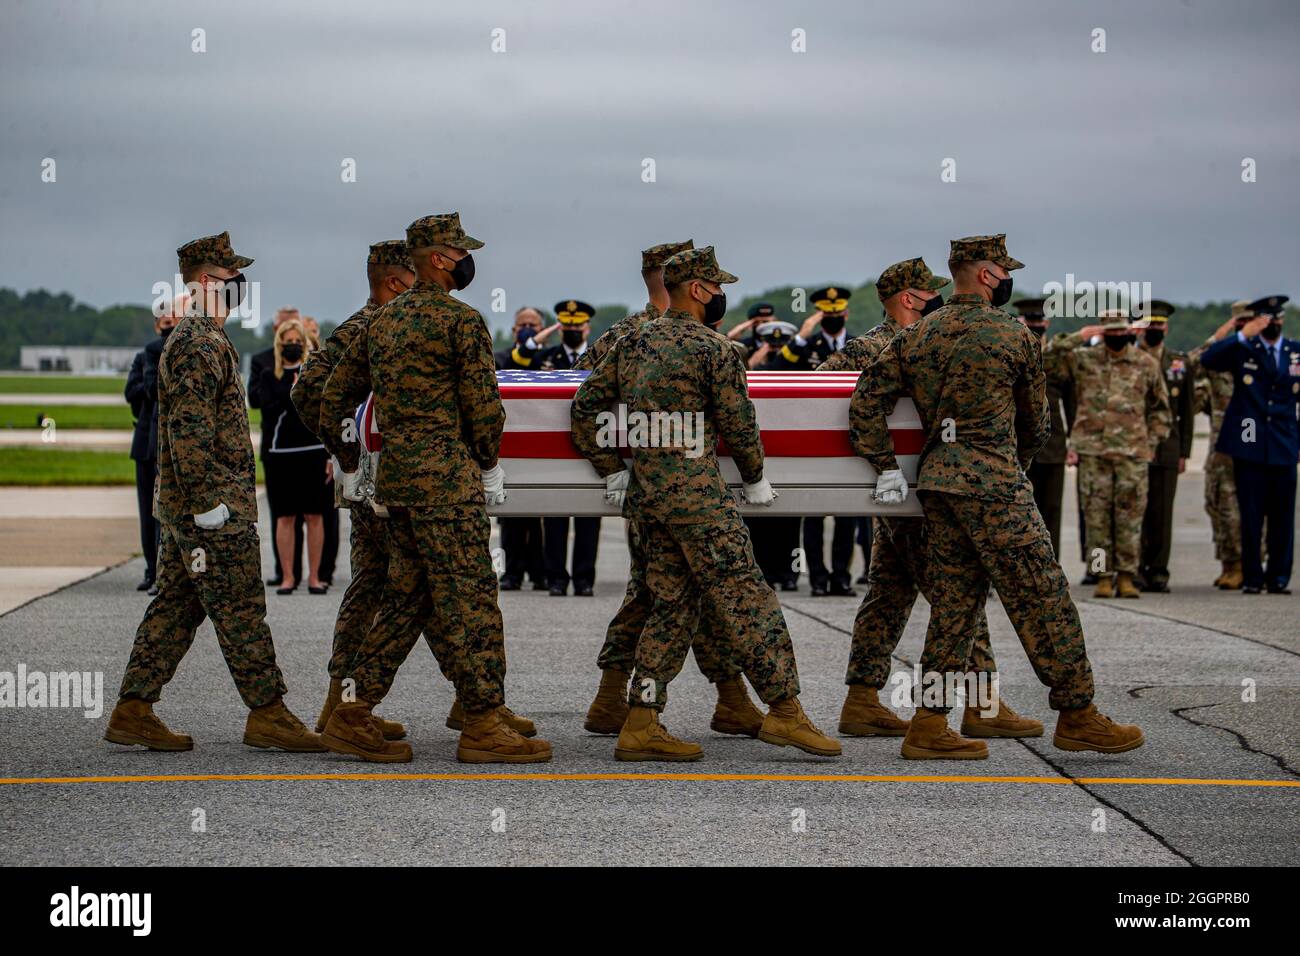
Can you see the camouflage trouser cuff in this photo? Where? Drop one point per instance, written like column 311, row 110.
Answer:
column 647, row 692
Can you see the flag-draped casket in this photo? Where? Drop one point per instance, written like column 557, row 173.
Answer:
column 803, row 418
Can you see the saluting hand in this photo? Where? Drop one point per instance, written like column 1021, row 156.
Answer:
column 810, row 325
column 1255, row 326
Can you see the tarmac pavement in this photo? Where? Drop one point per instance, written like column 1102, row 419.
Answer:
column 1173, row 663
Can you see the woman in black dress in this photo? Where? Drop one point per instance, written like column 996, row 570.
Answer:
column 298, row 477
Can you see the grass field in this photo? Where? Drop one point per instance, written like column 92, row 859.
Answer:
column 62, row 384
column 79, row 416
column 49, row 466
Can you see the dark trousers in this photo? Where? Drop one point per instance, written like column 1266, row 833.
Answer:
column 1266, row 493
column 1158, row 524
column 866, row 534
column 841, row 549
column 1049, row 487
column 329, row 552
column 586, row 535
column 150, row 529
column 521, row 539
column 774, row 541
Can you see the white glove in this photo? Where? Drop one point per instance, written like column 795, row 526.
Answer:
column 494, row 485
column 760, row 492
column 349, row 484
column 891, row 487
column 616, row 488
column 214, row 519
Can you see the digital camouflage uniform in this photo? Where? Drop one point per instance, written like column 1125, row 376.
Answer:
column 975, row 369
column 1213, row 393
column 205, row 459
column 428, row 359
column 696, row 548
column 898, row 571
column 1121, row 418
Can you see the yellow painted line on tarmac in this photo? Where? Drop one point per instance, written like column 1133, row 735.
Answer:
column 668, row 777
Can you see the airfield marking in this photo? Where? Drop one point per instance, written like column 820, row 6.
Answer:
column 674, row 777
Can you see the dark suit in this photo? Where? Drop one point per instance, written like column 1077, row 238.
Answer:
column 1047, row 470
column 257, row 365
column 521, row 538
column 586, row 531
column 1162, row 474
column 142, row 393
column 1262, row 436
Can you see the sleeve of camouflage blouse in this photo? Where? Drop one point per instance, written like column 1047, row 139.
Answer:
column 1033, row 414
column 595, row 352
column 734, row 413
column 192, row 429
column 1159, row 417
column 838, row 362
column 1058, row 357
column 309, row 390
column 482, row 415
column 873, row 399
column 346, row 388
column 598, row 393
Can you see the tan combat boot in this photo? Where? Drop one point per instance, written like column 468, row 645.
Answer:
column 1125, row 587
column 863, row 715
column 930, row 738
column 1218, row 582
column 392, row 729
column 735, row 712
column 274, row 725
column 488, row 738
column 520, row 725
column 353, row 729
column 608, row 712
column 1232, row 576
column 1006, row 723
column 1105, row 587
column 644, row 738
column 134, row 722
column 786, row 725
column 1087, row 728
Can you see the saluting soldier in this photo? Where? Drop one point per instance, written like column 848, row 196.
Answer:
column 696, row 548
column 1171, row 454
column 210, row 561
column 975, row 375
column 428, row 359
column 1123, row 416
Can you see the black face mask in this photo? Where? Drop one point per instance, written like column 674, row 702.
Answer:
column 291, row 353
column 572, row 337
column 1001, row 293
column 1272, row 332
column 232, row 290
column 931, row 305
column 715, row 308
column 834, row 324
column 1154, row 336
column 1116, row 343
column 462, row 274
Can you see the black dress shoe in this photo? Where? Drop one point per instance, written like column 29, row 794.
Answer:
column 559, row 590
column 842, row 589
column 539, row 585
column 862, row 578
column 508, row 583
column 153, row 589
column 274, row 582
column 146, row 584
column 790, row 584
column 819, row 589
column 1250, row 589
column 1089, row 580
column 582, row 590
column 1278, row 589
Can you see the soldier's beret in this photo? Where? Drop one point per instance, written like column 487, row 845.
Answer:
column 656, row 256
column 908, row 274
column 760, row 310
column 215, row 249
column 440, row 230
column 832, row 299
column 981, row 248
column 574, row 312
column 1031, row 308
column 1269, row 305
column 695, row 264
column 390, row 252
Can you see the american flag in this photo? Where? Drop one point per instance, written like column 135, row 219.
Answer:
column 803, row 420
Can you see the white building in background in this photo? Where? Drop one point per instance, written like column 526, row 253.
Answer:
column 80, row 359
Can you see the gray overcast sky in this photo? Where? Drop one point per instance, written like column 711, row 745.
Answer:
column 806, row 168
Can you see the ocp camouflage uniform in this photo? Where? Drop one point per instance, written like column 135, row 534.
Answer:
column 1122, row 417
column 428, row 358
column 205, row 459
column 980, row 368
column 697, row 549
column 898, row 571
column 1213, row 393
